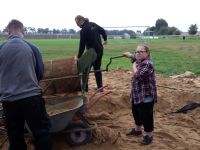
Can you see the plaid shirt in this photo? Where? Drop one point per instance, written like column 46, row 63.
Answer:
column 144, row 82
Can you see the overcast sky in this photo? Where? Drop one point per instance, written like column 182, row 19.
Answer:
column 60, row 14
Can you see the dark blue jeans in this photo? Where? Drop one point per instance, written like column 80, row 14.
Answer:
column 32, row 110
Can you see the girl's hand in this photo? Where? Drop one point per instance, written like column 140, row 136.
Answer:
column 127, row 54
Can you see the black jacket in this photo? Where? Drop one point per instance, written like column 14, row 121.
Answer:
column 90, row 37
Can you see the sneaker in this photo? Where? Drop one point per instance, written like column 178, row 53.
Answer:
column 147, row 140
column 133, row 132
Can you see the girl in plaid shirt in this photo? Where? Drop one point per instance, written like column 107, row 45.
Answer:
column 143, row 93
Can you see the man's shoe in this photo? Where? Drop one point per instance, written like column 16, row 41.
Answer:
column 99, row 89
column 133, row 132
column 147, row 140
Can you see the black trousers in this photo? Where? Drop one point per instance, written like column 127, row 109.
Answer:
column 98, row 74
column 32, row 110
column 143, row 115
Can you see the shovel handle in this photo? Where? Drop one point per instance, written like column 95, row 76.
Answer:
column 114, row 57
column 111, row 58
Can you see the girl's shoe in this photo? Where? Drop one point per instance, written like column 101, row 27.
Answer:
column 147, row 140
column 133, row 132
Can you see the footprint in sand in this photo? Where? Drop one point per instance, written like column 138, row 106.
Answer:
column 165, row 135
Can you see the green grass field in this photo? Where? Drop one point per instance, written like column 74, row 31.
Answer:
column 170, row 55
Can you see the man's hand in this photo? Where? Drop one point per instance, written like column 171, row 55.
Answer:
column 105, row 42
column 76, row 58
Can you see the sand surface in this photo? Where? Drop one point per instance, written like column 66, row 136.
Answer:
column 114, row 118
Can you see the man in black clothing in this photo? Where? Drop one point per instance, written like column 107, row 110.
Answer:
column 90, row 37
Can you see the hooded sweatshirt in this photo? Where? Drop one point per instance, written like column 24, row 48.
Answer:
column 19, row 69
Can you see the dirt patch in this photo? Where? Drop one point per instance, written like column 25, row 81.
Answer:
column 113, row 115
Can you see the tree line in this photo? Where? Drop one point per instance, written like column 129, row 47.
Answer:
column 161, row 28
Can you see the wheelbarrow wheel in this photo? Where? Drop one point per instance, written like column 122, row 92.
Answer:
column 77, row 138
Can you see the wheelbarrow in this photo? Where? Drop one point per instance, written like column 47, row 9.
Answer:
column 61, row 111
column 76, row 132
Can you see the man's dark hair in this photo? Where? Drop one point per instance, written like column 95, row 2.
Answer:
column 15, row 24
column 79, row 17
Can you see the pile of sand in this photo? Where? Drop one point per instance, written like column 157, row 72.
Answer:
column 114, row 118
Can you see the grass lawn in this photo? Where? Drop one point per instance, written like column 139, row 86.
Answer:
column 170, row 55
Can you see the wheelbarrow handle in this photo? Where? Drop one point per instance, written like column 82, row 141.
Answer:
column 111, row 58
column 97, row 99
column 97, row 91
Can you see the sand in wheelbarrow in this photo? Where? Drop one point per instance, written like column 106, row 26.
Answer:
column 61, row 107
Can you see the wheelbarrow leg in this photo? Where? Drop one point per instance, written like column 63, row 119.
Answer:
column 81, row 116
column 4, row 141
column 3, row 130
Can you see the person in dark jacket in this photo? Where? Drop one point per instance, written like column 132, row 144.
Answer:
column 21, row 68
column 90, row 38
